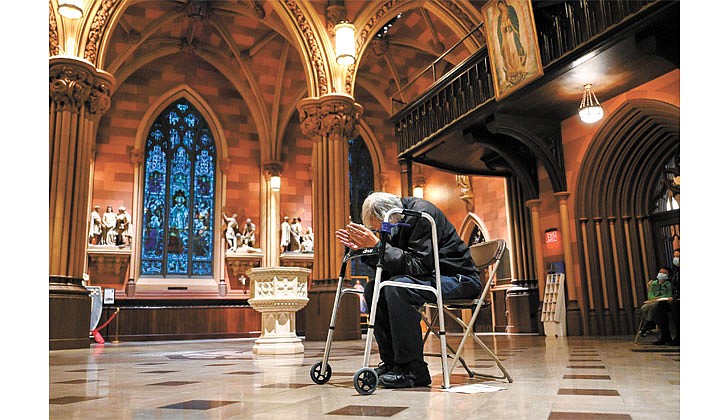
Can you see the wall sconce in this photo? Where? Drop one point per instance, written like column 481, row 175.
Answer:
column 418, row 186
column 345, row 44
column 418, row 191
column 72, row 9
column 590, row 111
column 275, row 183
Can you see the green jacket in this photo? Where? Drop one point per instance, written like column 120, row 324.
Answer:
column 656, row 290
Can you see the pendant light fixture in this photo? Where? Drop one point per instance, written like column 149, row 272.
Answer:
column 590, row 111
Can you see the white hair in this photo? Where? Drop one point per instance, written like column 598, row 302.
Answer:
column 377, row 204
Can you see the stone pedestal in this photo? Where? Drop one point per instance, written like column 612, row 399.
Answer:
column 277, row 293
column 238, row 264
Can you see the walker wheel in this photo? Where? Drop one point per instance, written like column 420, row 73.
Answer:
column 365, row 381
column 318, row 376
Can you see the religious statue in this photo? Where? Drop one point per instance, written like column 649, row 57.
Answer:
column 231, row 231
column 466, row 191
column 307, row 240
column 95, row 227
column 123, row 227
column 296, row 233
column 248, row 235
column 285, row 235
column 108, row 232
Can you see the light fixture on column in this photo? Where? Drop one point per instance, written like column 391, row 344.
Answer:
column 275, row 182
column 418, row 189
column 72, row 9
column 590, row 111
column 272, row 172
column 345, row 44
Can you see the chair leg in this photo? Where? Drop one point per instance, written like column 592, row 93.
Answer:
column 468, row 331
column 449, row 347
column 639, row 328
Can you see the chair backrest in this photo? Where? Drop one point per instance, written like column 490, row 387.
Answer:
column 487, row 253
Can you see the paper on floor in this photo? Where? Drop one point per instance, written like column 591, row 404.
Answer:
column 474, row 389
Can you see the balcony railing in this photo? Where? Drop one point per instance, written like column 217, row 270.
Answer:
column 561, row 27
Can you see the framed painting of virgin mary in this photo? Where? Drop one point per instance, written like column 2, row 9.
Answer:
column 515, row 59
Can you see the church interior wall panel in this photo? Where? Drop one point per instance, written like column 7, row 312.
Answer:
column 113, row 169
column 296, row 186
column 490, row 205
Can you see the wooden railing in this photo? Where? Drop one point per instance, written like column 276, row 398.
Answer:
column 562, row 28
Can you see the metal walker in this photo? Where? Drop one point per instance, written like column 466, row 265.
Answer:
column 366, row 378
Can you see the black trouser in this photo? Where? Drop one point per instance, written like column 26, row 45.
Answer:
column 397, row 327
column 662, row 316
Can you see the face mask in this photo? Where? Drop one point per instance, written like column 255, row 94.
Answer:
column 661, row 276
column 676, row 261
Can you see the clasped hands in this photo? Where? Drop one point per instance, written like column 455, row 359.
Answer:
column 356, row 236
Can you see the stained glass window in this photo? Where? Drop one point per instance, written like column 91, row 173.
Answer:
column 361, row 184
column 361, row 176
column 179, row 193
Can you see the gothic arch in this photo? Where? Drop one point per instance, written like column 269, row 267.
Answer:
column 312, row 42
column 367, row 134
column 459, row 17
column 162, row 102
column 468, row 225
column 612, row 204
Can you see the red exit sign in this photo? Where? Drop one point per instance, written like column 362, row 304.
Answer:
column 552, row 236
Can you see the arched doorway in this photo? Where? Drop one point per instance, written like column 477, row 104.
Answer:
column 618, row 245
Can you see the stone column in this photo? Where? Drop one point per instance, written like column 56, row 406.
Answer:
column 330, row 121
column 79, row 95
column 277, row 293
column 566, row 240
column 405, row 177
column 533, row 206
column 270, row 239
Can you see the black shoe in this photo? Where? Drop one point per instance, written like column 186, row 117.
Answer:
column 643, row 333
column 384, row 368
column 412, row 375
column 660, row 342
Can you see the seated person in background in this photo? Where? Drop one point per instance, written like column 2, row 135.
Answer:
column 656, row 289
column 670, row 307
column 408, row 258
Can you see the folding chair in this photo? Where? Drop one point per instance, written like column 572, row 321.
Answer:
column 487, row 257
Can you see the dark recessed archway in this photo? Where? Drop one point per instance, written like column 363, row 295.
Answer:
column 612, row 204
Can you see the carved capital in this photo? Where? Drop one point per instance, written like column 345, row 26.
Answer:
column 331, row 117
column 533, row 204
column 100, row 97
column 272, row 168
column 70, row 86
column 562, row 195
column 136, row 156
column 309, row 114
column 74, row 83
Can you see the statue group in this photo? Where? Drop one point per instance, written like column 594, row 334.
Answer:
column 293, row 236
column 239, row 238
column 111, row 229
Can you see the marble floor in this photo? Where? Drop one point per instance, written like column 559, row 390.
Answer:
column 553, row 378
